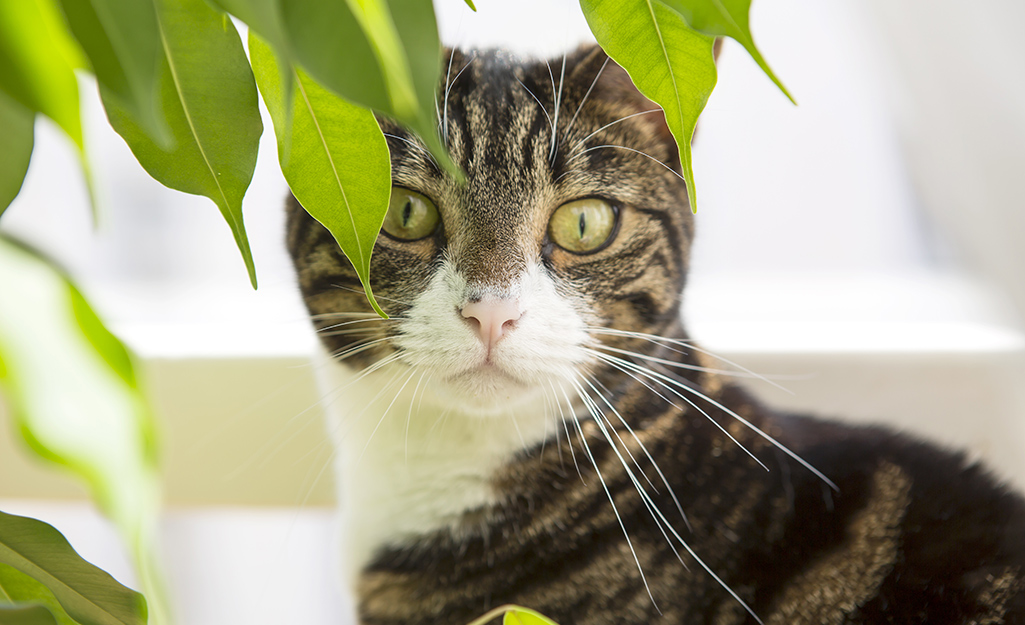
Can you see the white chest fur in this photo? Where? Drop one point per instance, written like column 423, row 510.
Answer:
column 407, row 464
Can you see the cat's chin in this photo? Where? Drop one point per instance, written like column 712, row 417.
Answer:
column 486, row 389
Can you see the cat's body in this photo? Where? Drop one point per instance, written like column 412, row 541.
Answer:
column 533, row 425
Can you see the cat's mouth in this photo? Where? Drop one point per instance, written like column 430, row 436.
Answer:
column 486, row 381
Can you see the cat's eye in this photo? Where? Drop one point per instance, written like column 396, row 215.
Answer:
column 582, row 226
column 411, row 216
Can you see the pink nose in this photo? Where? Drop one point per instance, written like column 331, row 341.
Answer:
column 492, row 318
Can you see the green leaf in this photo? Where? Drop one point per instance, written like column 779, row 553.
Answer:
column 340, row 169
column 87, row 594
column 37, row 62
column 265, row 18
column 16, row 126
column 18, row 588
column 670, row 63
column 122, row 41
column 26, row 614
column 726, row 18
column 469, row 3
column 524, row 616
column 72, row 407
column 366, row 50
column 210, row 101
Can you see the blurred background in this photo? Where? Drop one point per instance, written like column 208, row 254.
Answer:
column 862, row 249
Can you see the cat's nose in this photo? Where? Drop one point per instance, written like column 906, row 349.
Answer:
column 492, row 318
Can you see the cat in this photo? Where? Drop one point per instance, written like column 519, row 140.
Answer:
column 533, row 424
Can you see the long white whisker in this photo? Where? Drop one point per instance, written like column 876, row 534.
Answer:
column 626, row 448
column 623, row 147
column 569, row 439
column 448, row 86
column 543, row 109
column 621, row 119
column 558, row 103
column 409, row 415
column 608, row 493
column 658, row 470
column 384, row 414
column 584, row 99
column 618, row 363
column 689, row 345
column 739, row 418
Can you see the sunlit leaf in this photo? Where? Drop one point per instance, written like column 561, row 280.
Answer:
column 86, row 593
column 265, row 18
column 524, row 616
column 210, row 101
column 16, row 127
column 330, row 43
column 339, row 168
column 725, row 18
column 37, row 62
column 18, row 588
column 122, row 41
column 667, row 61
column 26, row 614
column 72, row 407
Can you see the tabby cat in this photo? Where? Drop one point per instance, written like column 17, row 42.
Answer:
column 533, row 424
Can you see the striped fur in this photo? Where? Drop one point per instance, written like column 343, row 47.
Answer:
column 662, row 503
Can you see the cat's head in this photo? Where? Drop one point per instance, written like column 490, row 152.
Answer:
column 572, row 225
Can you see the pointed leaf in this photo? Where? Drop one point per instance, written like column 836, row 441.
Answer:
column 726, row 18
column 669, row 63
column 16, row 126
column 469, row 3
column 209, row 97
column 27, row 614
column 340, row 169
column 88, row 594
column 122, row 41
column 71, row 389
column 37, row 62
column 524, row 616
column 372, row 67
column 18, row 588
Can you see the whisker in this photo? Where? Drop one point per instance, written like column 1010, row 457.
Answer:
column 616, row 432
column 543, row 109
column 621, row 119
column 384, row 414
column 448, row 85
column 623, row 147
column 658, row 469
column 409, row 415
column 616, row 362
column 615, row 510
column 558, row 103
column 691, row 345
column 584, row 99
column 376, row 296
column 740, row 419
column 416, row 145
column 569, row 439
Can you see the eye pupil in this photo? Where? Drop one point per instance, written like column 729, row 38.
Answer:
column 407, row 212
column 582, row 224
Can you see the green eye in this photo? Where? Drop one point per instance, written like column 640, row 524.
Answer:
column 411, row 216
column 582, row 226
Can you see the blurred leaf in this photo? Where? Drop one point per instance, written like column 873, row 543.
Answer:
column 340, row 169
column 669, row 63
column 73, row 409
column 469, row 3
column 88, row 594
column 330, row 42
column 210, row 101
column 18, row 588
column 26, row 614
column 16, row 126
column 37, row 62
column 122, row 40
column 725, row 18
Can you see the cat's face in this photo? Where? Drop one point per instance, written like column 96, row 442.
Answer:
column 502, row 285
